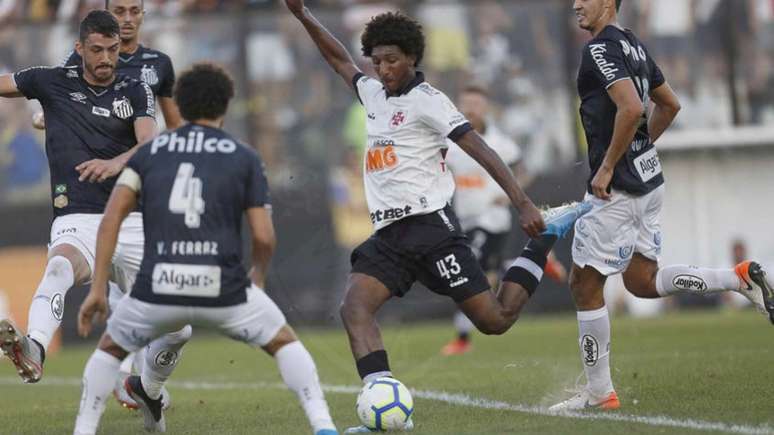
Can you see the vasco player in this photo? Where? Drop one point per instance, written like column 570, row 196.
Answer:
column 151, row 67
column 481, row 205
column 95, row 119
column 408, row 189
column 192, row 270
column 618, row 82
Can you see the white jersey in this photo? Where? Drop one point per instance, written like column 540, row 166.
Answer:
column 404, row 169
column 475, row 201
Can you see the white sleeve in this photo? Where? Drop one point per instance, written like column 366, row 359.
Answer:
column 366, row 88
column 130, row 179
column 439, row 113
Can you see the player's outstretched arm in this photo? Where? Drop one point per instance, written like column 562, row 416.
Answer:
column 264, row 242
column 666, row 108
column 122, row 201
column 8, row 87
column 332, row 50
column 529, row 216
column 627, row 120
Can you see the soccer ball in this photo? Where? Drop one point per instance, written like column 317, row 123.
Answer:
column 384, row 404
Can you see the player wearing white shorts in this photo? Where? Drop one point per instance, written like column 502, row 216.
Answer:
column 95, row 119
column 192, row 270
column 617, row 82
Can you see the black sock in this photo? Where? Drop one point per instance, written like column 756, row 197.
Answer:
column 374, row 362
column 527, row 270
column 464, row 336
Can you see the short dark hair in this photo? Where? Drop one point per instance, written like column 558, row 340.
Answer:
column 618, row 5
column 101, row 22
column 107, row 4
column 203, row 92
column 394, row 28
column 475, row 89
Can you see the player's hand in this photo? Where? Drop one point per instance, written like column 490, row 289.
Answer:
column 98, row 170
column 531, row 220
column 95, row 304
column 39, row 121
column 601, row 182
column 296, row 7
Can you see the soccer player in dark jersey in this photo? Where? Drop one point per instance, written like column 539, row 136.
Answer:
column 408, row 187
column 95, row 119
column 137, row 61
column 192, row 270
column 626, row 105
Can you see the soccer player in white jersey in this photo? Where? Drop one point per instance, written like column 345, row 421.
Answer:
column 408, row 188
column 192, row 271
column 618, row 80
column 481, row 205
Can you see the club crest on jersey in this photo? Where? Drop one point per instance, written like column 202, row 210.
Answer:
column 122, row 108
column 61, row 201
column 148, row 75
column 398, row 118
column 78, row 97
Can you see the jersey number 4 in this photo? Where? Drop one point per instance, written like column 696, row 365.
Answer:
column 186, row 196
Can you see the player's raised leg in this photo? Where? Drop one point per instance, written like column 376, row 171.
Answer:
column 496, row 314
column 66, row 267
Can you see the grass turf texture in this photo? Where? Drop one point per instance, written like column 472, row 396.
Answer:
column 711, row 366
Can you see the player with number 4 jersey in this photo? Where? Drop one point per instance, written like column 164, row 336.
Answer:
column 192, row 271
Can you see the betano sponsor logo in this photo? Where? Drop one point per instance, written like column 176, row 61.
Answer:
column 390, row 214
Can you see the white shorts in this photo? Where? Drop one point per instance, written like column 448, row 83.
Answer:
column 80, row 231
column 256, row 322
column 608, row 235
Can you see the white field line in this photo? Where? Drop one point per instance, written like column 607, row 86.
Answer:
column 459, row 400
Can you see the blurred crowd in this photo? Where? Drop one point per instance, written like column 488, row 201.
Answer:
column 717, row 54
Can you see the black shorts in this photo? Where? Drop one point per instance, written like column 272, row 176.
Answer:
column 431, row 249
column 488, row 248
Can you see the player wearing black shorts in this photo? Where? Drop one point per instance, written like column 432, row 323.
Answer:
column 408, row 188
column 618, row 81
column 192, row 271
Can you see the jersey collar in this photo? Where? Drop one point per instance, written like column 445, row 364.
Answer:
column 127, row 57
column 418, row 79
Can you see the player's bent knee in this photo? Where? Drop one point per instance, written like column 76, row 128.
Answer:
column 492, row 326
column 106, row 344
column 285, row 336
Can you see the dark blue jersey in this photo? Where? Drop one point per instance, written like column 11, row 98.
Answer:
column 615, row 55
column 202, row 182
column 146, row 65
column 84, row 122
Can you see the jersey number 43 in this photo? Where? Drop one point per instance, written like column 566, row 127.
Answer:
column 186, row 197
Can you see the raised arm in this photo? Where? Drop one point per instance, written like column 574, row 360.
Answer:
column 627, row 120
column 264, row 242
column 331, row 49
column 666, row 107
column 8, row 87
column 529, row 217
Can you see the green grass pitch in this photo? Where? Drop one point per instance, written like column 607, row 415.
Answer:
column 706, row 372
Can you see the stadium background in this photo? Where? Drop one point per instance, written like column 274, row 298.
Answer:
column 717, row 54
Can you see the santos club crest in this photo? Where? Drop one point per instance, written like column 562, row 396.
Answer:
column 122, row 108
column 148, row 75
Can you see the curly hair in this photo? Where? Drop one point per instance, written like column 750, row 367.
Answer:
column 394, row 28
column 203, row 92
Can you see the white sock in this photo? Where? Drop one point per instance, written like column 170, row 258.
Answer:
column 99, row 377
column 462, row 323
column 47, row 307
column 161, row 357
column 696, row 280
column 300, row 375
column 126, row 365
column 594, row 329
